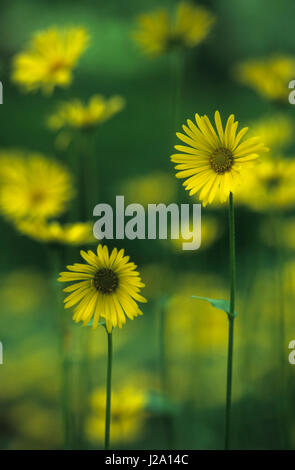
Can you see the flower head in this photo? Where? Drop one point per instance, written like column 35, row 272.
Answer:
column 33, row 186
column 212, row 160
column 127, row 417
column 50, row 58
column 151, row 188
column 210, row 233
column 78, row 233
column 158, row 33
column 107, row 289
column 275, row 131
column 271, row 186
column 77, row 115
column 269, row 77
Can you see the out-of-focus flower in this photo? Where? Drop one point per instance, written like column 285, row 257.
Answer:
column 212, row 162
column 153, row 188
column 200, row 326
column 78, row 233
column 49, row 59
column 276, row 131
column 77, row 115
column 22, row 291
column 108, row 288
column 158, row 33
column 270, row 186
column 37, row 424
column 33, row 187
column 127, row 417
column 269, row 77
column 210, row 232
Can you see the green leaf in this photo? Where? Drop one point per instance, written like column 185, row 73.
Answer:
column 221, row 304
column 160, row 404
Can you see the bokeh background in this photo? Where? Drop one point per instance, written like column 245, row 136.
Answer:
column 169, row 365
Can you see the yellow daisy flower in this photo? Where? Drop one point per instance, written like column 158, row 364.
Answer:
column 78, row 233
column 108, row 287
column 33, row 186
column 50, row 58
column 271, row 186
column 212, row 161
column 78, row 115
column 276, row 131
column 127, row 417
column 211, row 231
column 152, row 188
column 268, row 77
column 158, row 33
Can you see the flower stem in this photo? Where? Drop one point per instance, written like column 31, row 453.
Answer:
column 230, row 319
column 108, row 392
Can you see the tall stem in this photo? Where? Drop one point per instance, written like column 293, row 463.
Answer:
column 56, row 259
column 108, row 392
column 230, row 319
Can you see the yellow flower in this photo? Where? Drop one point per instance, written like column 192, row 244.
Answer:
column 75, row 114
column 271, row 186
column 79, row 233
column 210, row 232
column 108, row 287
column 275, row 131
column 22, row 291
column 157, row 32
column 192, row 24
column 127, row 416
column 212, row 161
column 33, row 186
column 50, row 58
column 269, row 77
column 152, row 188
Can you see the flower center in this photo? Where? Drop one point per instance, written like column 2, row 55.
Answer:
column 37, row 196
column 221, row 160
column 105, row 281
column 56, row 66
column 273, row 182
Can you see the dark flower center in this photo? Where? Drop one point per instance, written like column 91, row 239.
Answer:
column 105, row 281
column 221, row 160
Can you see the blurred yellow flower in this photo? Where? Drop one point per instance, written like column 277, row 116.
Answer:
column 270, row 187
column 33, row 186
column 78, row 115
column 78, row 233
column 108, row 288
column 37, row 423
column 22, row 291
column 276, row 131
column 153, row 188
column 49, row 59
column 195, row 325
column 157, row 32
column 127, row 415
column 210, row 232
column 269, row 77
column 212, row 162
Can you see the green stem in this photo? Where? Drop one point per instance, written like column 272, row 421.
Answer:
column 108, row 392
column 230, row 320
column 177, row 59
column 56, row 259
